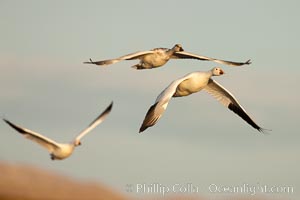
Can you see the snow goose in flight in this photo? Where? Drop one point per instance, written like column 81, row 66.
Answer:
column 192, row 83
column 159, row 56
column 59, row 151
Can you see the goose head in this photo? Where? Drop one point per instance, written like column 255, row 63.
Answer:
column 76, row 143
column 217, row 71
column 177, row 48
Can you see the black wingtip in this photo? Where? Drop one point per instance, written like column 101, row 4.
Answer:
column 248, row 62
column 149, row 120
column 111, row 105
column 91, row 62
column 5, row 120
column 240, row 112
column 108, row 109
column 8, row 122
column 20, row 130
column 143, row 128
column 264, row 130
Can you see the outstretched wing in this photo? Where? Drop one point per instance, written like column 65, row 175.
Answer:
column 229, row 101
column 161, row 103
column 187, row 55
column 47, row 143
column 95, row 123
column 131, row 56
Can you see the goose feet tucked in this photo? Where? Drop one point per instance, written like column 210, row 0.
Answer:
column 138, row 66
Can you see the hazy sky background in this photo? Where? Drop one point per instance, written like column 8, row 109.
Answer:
column 45, row 87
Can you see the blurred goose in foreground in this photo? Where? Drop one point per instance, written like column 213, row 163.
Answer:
column 192, row 83
column 59, row 151
column 159, row 56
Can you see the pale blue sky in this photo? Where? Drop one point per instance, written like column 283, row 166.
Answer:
column 45, row 87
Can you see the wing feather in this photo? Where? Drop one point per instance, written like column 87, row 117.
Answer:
column 131, row 56
column 229, row 101
column 158, row 108
column 95, row 123
column 187, row 55
column 47, row 143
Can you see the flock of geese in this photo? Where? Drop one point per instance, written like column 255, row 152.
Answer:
column 184, row 86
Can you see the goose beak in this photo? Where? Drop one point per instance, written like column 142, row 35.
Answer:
column 181, row 49
column 222, row 72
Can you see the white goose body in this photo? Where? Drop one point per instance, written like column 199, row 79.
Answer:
column 192, row 83
column 59, row 151
column 62, row 152
column 148, row 59
column 160, row 56
column 196, row 82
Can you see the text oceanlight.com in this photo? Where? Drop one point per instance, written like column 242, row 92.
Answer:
column 189, row 188
column 250, row 189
